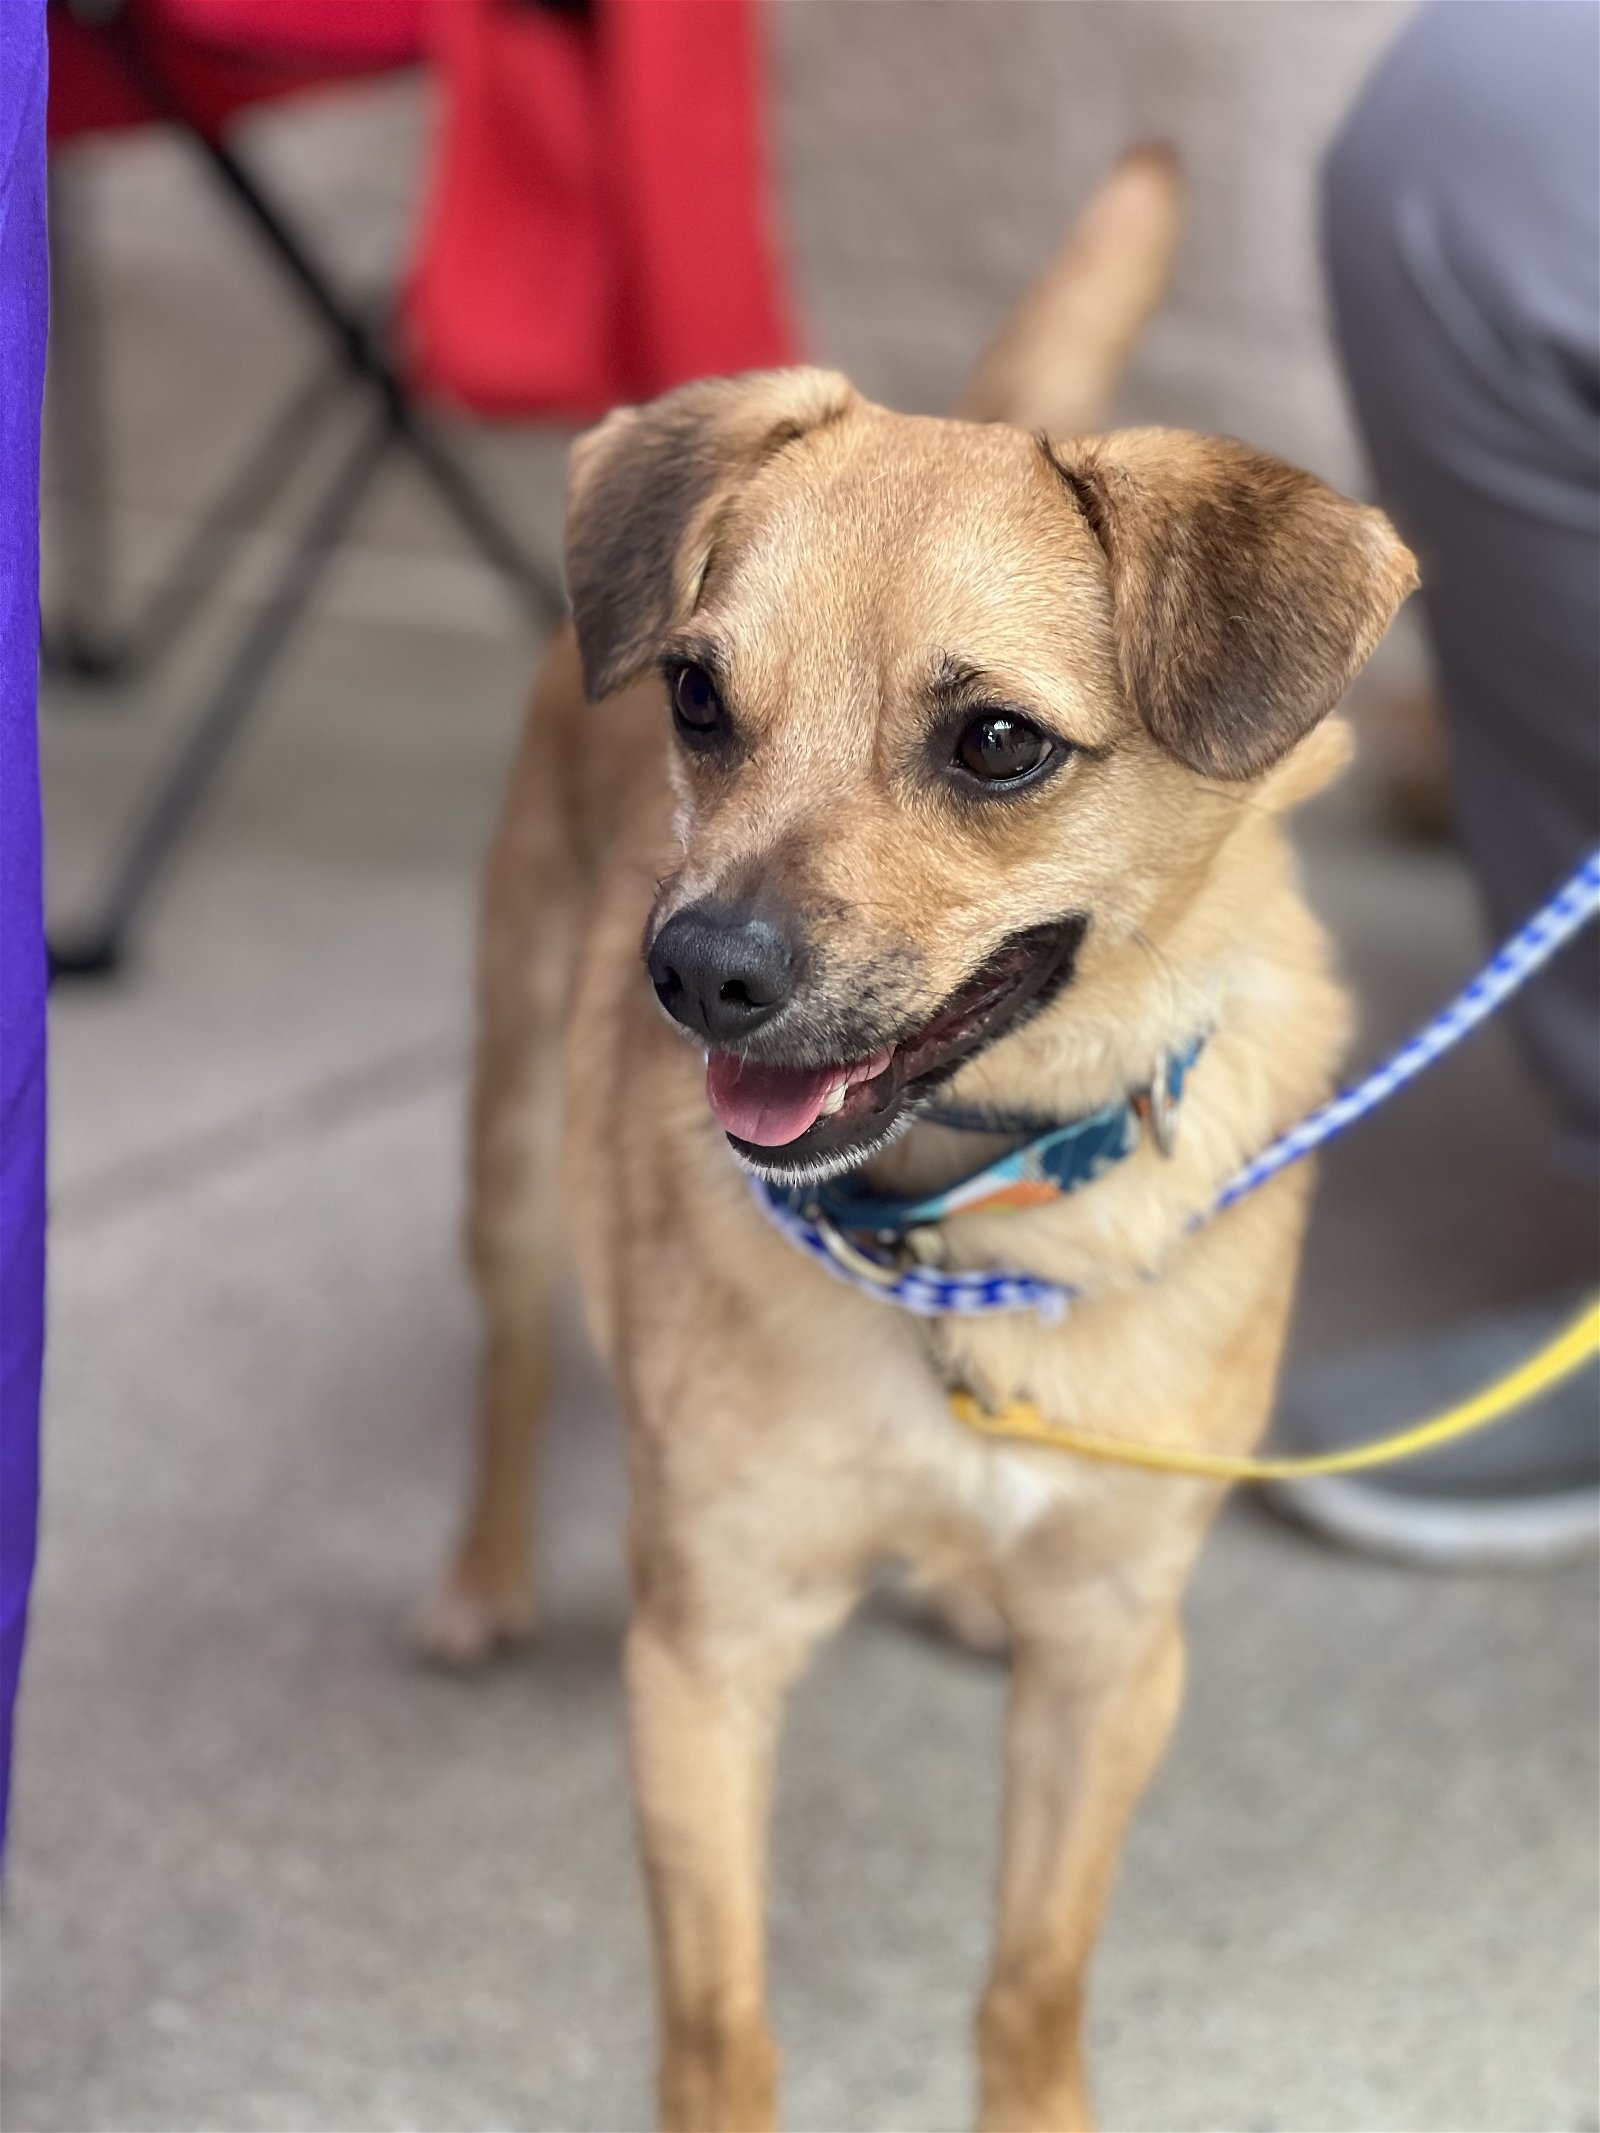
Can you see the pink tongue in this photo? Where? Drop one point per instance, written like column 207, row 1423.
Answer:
column 765, row 1104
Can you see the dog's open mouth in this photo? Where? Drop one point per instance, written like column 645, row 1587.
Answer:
column 790, row 1119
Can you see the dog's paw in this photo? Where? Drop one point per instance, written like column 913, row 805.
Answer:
column 462, row 1622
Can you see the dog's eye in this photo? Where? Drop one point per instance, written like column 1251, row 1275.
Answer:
column 1000, row 748
column 697, row 708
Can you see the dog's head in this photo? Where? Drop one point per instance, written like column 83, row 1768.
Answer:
column 944, row 699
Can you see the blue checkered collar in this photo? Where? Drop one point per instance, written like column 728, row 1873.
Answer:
column 1052, row 1162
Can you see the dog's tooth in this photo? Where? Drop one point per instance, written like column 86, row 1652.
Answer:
column 834, row 1101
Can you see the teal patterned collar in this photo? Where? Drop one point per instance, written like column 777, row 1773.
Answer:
column 1054, row 1161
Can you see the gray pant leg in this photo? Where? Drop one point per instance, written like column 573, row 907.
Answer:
column 1461, row 210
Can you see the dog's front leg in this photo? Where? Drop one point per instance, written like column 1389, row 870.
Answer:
column 1092, row 1705
column 704, row 1708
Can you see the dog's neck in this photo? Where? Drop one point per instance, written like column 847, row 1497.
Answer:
column 1134, row 1002
column 1066, row 1064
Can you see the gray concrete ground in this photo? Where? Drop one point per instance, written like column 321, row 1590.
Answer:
column 269, row 1873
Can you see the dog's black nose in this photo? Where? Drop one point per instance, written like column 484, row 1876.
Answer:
column 721, row 972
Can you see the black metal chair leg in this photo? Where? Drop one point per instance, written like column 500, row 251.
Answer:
column 84, row 636
column 255, row 486
column 538, row 590
column 98, row 947
column 79, row 640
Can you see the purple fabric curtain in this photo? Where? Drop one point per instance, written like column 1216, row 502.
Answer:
column 23, row 305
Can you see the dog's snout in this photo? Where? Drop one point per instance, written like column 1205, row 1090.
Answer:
column 720, row 972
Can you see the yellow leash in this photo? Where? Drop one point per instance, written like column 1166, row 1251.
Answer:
column 1022, row 1422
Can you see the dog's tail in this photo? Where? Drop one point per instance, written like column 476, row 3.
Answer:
column 1057, row 359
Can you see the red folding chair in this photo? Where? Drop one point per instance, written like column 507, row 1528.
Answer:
column 194, row 65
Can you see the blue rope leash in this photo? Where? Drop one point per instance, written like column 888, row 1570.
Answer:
column 930, row 1294
column 1528, row 950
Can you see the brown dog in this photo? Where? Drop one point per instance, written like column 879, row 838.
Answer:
column 929, row 759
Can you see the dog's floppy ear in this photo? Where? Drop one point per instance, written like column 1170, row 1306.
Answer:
column 642, row 489
column 1245, row 594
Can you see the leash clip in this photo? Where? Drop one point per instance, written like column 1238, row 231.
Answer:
column 885, row 1272
column 1157, row 1112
